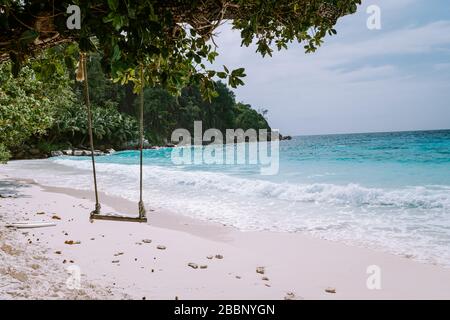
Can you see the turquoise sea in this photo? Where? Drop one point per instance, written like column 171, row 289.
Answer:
column 388, row 191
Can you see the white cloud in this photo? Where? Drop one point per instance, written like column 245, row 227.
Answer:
column 369, row 73
column 411, row 40
column 355, row 82
column 331, row 59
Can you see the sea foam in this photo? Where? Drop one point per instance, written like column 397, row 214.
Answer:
column 408, row 220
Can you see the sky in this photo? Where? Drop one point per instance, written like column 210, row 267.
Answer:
column 393, row 79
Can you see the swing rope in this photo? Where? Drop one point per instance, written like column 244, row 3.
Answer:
column 91, row 136
column 142, row 212
column 84, row 76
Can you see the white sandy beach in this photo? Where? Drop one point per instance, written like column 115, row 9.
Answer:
column 116, row 264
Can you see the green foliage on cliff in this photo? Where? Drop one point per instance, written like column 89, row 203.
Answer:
column 4, row 154
column 36, row 109
column 164, row 113
column 109, row 126
column 248, row 118
column 46, row 110
column 26, row 106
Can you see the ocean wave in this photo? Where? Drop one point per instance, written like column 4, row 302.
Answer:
column 420, row 197
column 413, row 221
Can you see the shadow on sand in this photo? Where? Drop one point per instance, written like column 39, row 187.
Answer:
column 11, row 189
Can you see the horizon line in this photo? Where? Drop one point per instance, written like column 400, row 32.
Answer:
column 367, row 132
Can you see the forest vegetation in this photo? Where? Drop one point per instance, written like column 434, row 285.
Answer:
column 40, row 113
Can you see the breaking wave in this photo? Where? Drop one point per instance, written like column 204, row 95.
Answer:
column 420, row 197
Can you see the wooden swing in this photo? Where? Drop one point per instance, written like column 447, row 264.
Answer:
column 95, row 214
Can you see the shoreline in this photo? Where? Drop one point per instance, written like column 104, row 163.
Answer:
column 118, row 258
column 209, row 229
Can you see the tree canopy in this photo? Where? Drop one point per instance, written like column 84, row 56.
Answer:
column 173, row 39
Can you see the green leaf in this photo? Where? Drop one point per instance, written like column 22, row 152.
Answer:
column 238, row 72
column 113, row 4
column 116, row 53
column 221, row 75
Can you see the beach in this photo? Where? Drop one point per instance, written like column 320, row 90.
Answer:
column 177, row 257
column 146, row 154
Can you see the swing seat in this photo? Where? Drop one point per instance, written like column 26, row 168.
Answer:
column 113, row 217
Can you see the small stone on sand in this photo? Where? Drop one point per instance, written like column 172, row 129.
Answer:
column 219, row 256
column 209, row 257
column 265, row 279
column 71, row 242
column 289, row 296
column 260, row 270
column 160, row 247
column 147, row 241
column 203, row 266
column 55, row 217
column 193, row 265
column 330, row 290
